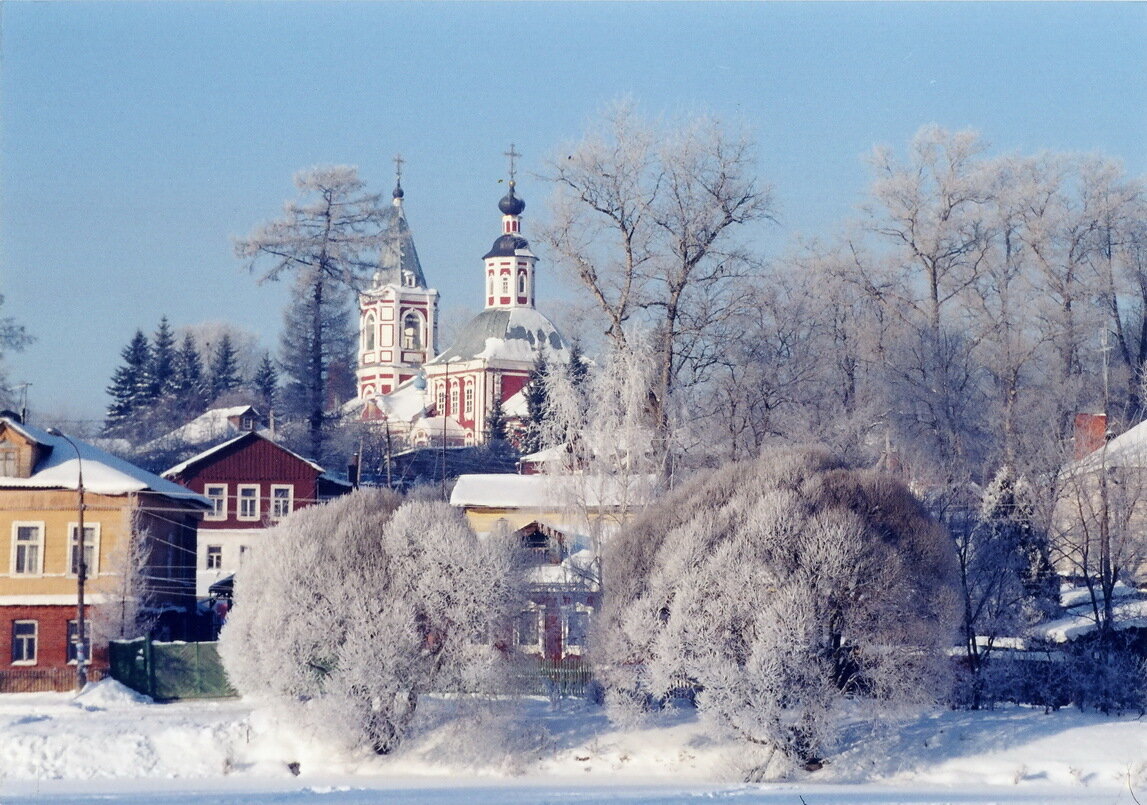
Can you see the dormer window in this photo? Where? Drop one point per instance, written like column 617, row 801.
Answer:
column 9, row 460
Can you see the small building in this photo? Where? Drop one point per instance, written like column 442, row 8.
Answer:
column 40, row 481
column 562, row 521
column 251, row 482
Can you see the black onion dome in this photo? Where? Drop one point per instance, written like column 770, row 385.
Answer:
column 398, row 190
column 507, row 246
column 511, row 204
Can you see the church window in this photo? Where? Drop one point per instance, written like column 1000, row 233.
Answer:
column 522, row 283
column 368, row 340
column 442, row 400
column 454, row 397
column 490, row 285
column 469, row 398
column 505, row 286
column 411, row 331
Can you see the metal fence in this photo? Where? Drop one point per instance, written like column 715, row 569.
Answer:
column 564, row 678
column 44, row 680
column 170, row 671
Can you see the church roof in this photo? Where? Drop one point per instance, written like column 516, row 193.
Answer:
column 507, row 246
column 398, row 258
column 514, row 334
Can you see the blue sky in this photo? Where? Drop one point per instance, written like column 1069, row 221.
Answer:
column 136, row 139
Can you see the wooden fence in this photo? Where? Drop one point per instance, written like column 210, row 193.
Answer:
column 44, row 680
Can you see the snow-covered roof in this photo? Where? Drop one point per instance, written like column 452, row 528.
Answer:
column 549, row 492
column 103, row 473
column 435, row 425
column 398, row 259
column 210, row 426
column 183, row 465
column 1129, row 611
column 516, row 334
column 516, row 405
column 1129, row 449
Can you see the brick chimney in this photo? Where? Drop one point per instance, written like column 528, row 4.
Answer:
column 1090, row 431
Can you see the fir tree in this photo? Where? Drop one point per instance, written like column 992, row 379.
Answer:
column 537, row 403
column 187, row 382
column 163, row 357
column 224, row 368
column 266, row 381
column 578, row 368
column 131, row 385
column 496, row 423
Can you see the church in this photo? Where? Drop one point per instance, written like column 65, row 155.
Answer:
column 427, row 396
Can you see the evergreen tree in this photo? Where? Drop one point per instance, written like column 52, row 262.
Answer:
column 496, row 423
column 266, row 381
column 162, row 361
column 537, row 403
column 224, row 368
column 187, row 383
column 578, row 366
column 131, row 385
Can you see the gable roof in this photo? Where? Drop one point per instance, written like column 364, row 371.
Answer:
column 103, row 474
column 207, row 427
column 211, row 452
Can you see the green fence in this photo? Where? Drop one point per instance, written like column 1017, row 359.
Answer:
column 168, row 671
column 569, row 677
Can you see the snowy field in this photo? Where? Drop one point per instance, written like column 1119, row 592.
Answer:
column 109, row 746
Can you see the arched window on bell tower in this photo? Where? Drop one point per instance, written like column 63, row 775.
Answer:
column 368, row 334
column 411, row 331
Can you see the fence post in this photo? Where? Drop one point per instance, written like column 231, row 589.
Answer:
column 149, row 665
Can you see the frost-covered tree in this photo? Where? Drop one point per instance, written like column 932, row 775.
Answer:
column 778, row 589
column 648, row 218
column 347, row 613
column 124, row 589
column 326, row 239
column 13, row 337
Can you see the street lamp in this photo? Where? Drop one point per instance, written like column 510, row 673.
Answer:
column 81, row 565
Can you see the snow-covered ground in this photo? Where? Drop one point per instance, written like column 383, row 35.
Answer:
column 109, row 745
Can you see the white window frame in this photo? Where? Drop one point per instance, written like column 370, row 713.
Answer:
column 213, row 552
column 219, row 512
column 579, row 609
column 469, row 397
column 241, row 499
column 35, row 642
column 369, row 334
column 93, row 567
column 38, row 570
column 277, row 511
column 539, row 626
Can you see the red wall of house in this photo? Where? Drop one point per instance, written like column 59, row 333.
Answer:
column 252, row 461
column 51, row 639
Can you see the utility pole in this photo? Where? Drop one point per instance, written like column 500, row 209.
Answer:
column 81, row 567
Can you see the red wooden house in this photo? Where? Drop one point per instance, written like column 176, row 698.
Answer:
column 252, row 483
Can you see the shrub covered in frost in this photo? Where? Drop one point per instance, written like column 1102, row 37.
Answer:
column 346, row 613
column 776, row 590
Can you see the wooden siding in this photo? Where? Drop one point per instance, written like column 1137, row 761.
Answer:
column 253, row 460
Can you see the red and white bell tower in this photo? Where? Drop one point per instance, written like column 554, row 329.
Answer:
column 398, row 313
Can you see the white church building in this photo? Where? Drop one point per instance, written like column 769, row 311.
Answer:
column 428, row 396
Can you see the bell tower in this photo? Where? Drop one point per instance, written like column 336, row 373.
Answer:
column 398, row 313
column 510, row 264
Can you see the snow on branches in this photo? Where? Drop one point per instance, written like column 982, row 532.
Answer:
column 348, row 612
column 775, row 590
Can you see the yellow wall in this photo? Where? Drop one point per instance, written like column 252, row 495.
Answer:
column 57, row 510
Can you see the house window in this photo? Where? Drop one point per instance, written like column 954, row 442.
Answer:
column 72, row 641
column 24, row 642
column 469, row 398
column 282, row 496
column 577, row 627
column 214, row 557
column 27, row 549
column 217, row 494
column 9, row 459
column 411, row 331
column 527, row 633
column 91, row 552
column 368, row 333
column 248, row 502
